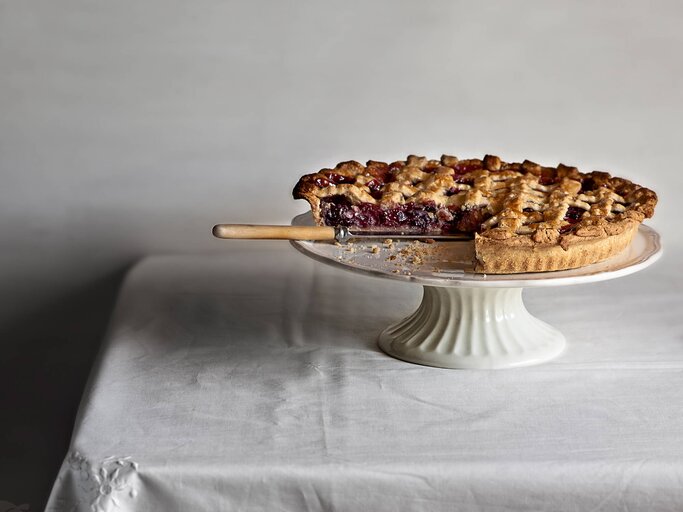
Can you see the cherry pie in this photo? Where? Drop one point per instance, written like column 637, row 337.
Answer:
column 524, row 217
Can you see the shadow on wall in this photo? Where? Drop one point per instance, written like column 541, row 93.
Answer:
column 46, row 358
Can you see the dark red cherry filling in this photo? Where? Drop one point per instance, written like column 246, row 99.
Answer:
column 375, row 186
column 338, row 179
column 383, row 175
column 431, row 167
column 548, row 177
column 470, row 220
column 427, row 217
column 338, row 211
column 332, row 178
column 464, row 168
column 464, row 181
column 588, row 184
column 573, row 215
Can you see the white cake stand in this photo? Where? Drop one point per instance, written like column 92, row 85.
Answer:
column 469, row 320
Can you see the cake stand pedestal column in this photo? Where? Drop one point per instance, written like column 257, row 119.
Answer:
column 468, row 327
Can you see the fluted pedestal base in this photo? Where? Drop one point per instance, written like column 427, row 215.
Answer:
column 472, row 328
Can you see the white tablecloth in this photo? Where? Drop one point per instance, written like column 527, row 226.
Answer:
column 251, row 380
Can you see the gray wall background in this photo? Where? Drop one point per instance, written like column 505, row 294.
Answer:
column 129, row 128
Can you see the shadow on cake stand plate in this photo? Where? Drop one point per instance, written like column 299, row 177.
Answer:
column 468, row 320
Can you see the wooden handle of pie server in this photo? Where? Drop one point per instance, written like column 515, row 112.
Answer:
column 251, row 231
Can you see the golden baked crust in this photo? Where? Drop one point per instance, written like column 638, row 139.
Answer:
column 527, row 218
column 502, row 257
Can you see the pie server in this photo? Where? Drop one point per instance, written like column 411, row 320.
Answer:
column 341, row 234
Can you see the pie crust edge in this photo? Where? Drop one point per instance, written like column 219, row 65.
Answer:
column 501, row 257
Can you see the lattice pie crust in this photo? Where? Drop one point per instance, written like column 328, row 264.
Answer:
column 524, row 217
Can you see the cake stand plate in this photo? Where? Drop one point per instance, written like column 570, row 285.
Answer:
column 468, row 320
